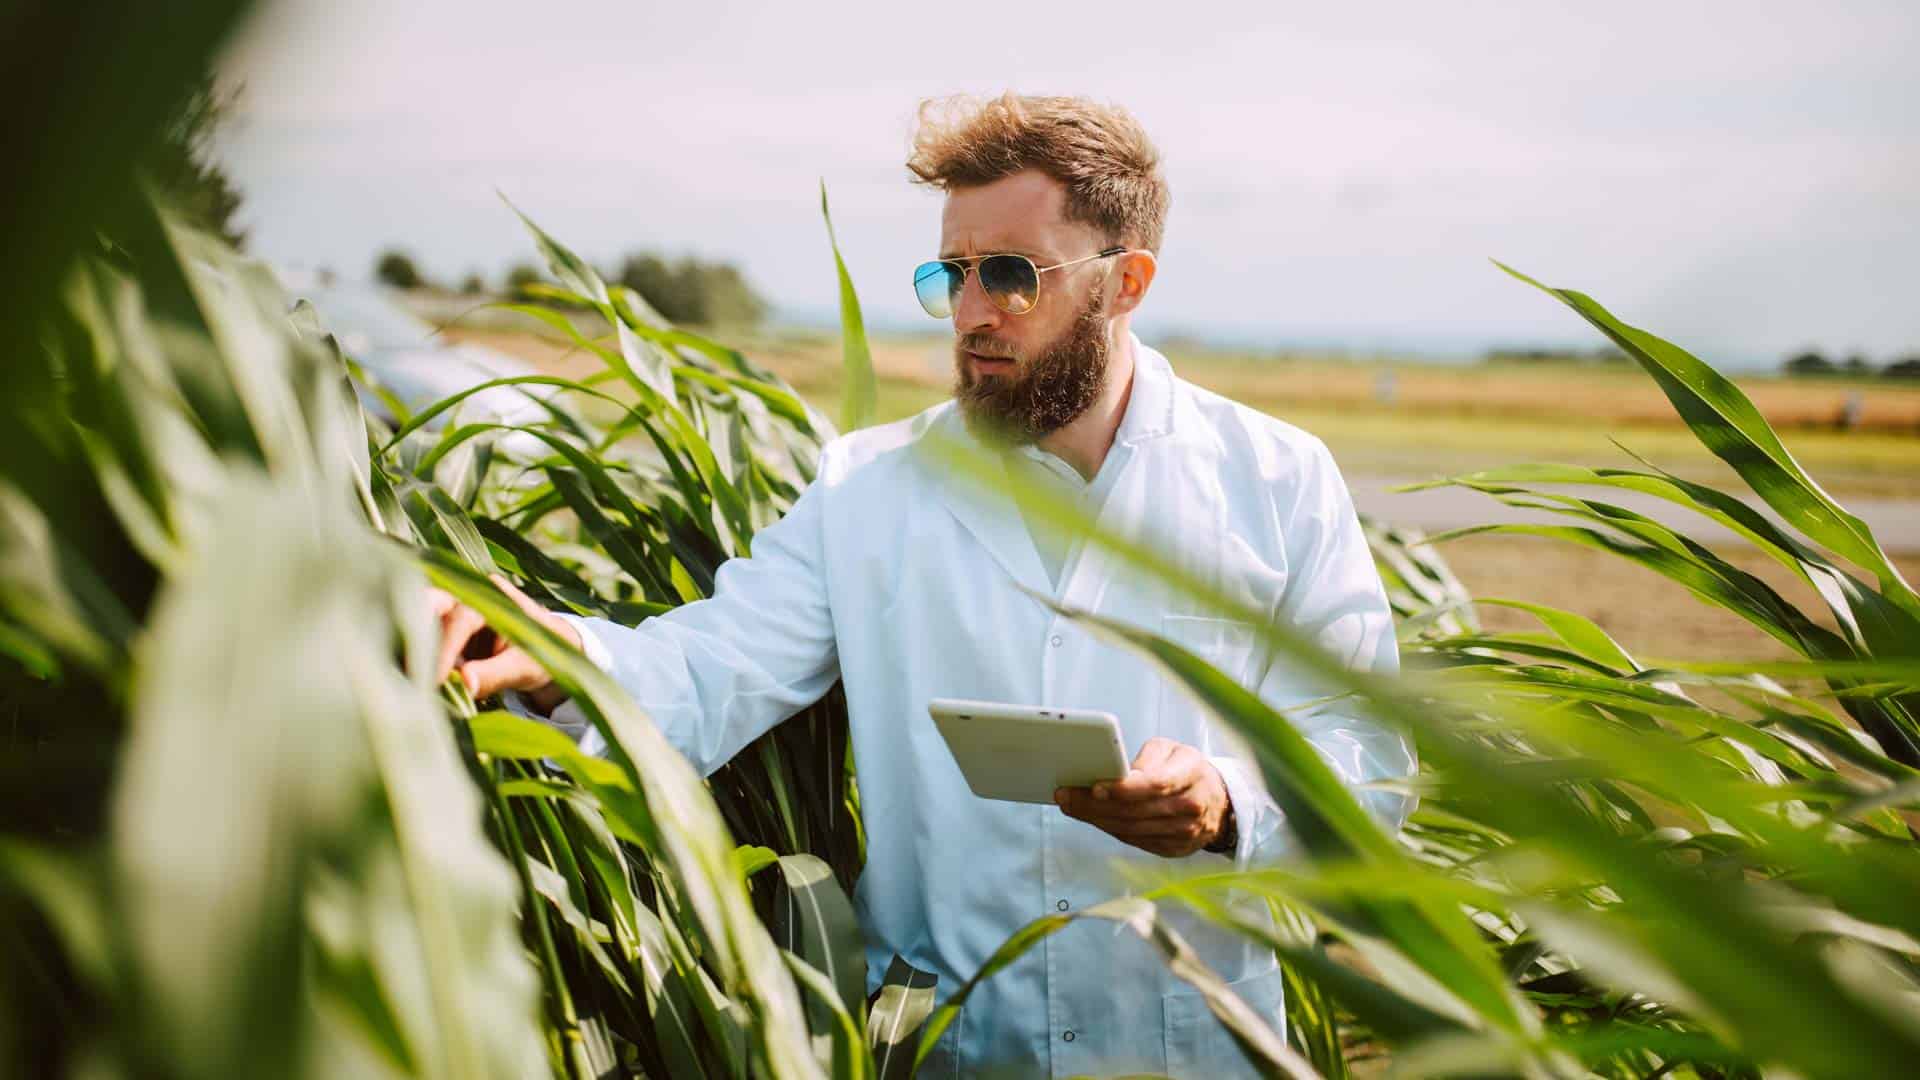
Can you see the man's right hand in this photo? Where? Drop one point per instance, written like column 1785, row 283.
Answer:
column 487, row 662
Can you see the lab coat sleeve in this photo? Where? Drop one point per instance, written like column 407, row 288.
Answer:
column 717, row 673
column 1335, row 598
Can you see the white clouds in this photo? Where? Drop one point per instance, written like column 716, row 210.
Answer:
column 1742, row 173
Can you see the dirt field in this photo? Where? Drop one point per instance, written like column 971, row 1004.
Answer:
column 1611, row 395
column 1650, row 616
column 1450, row 420
column 1416, row 419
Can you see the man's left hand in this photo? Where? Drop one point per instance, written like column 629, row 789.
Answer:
column 1172, row 801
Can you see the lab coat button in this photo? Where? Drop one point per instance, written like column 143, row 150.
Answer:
column 1056, row 641
column 1066, row 1036
column 1061, row 906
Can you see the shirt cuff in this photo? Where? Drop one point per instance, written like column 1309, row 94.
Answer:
column 594, row 649
column 1254, row 812
column 567, row 716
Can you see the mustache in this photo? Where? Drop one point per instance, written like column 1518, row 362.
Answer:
column 984, row 347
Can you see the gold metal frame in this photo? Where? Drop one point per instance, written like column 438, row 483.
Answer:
column 970, row 263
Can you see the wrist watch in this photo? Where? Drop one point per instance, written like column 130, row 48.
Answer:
column 1229, row 837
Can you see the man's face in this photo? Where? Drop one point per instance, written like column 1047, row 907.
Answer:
column 1023, row 376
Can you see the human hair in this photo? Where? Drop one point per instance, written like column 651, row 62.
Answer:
column 1099, row 153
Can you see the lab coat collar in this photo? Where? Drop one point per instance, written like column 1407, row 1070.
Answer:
column 987, row 510
column 1150, row 406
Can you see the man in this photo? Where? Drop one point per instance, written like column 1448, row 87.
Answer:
column 910, row 584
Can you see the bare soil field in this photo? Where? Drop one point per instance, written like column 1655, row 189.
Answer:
column 1443, row 420
column 1649, row 615
column 1612, row 395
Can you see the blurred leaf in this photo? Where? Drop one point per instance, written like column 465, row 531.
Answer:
column 355, row 760
column 858, row 394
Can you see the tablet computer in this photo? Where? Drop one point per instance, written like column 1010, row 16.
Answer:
column 1021, row 753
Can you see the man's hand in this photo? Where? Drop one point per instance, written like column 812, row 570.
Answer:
column 1172, row 802
column 487, row 662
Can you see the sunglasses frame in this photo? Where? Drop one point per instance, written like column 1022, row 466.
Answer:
column 971, row 263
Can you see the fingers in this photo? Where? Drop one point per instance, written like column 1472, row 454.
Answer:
column 1159, row 829
column 458, row 625
column 534, row 611
column 1170, row 836
column 1155, row 752
column 1081, row 803
column 525, row 602
column 1169, row 802
column 1163, row 767
column 509, row 669
column 487, row 662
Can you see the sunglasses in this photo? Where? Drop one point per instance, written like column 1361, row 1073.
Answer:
column 1012, row 282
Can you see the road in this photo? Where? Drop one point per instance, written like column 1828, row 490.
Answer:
column 1895, row 522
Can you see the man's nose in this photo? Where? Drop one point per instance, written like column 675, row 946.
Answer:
column 973, row 311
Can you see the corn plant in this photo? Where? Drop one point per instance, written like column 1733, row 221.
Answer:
column 287, row 866
column 1615, row 869
column 243, row 836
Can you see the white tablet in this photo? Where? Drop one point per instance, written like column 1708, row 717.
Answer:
column 1021, row 753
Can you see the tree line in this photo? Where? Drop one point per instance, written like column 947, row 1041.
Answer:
column 1814, row 362
column 685, row 289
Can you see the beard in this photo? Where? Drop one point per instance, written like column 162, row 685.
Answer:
column 1039, row 396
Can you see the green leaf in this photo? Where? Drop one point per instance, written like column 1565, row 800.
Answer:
column 900, row 1011
column 1581, row 634
column 859, row 393
column 1267, row 1050
column 353, row 768
column 814, row 920
column 1729, row 425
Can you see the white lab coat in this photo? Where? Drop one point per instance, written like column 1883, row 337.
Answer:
column 909, row 588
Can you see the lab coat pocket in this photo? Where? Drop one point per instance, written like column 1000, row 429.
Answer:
column 1228, row 645
column 1198, row 1044
column 893, row 1049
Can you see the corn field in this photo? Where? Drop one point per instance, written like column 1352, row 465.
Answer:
column 244, row 836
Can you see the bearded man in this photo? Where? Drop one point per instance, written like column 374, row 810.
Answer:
column 910, row 583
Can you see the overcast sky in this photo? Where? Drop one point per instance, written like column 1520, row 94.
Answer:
column 1741, row 177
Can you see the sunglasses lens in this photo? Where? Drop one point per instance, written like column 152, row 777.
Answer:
column 1011, row 282
column 936, row 283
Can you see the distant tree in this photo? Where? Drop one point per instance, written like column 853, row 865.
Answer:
column 729, row 300
column 662, row 286
column 521, row 275
column 1529, row 354
column 690, row 290
column 396, row 268
column 1500, row 354
column 181, row 166
column 473, row 284
column 1857, row 364
column 1808, row 363
column 1907, row 367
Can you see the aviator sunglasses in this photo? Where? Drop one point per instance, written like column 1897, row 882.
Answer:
column 1012, row 282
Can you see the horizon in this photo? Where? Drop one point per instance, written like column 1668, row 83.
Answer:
column 1742, row 185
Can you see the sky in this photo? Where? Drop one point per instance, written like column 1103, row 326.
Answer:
column 1742, row 178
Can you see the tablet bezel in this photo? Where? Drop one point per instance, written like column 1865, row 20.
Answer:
column 1022, row 753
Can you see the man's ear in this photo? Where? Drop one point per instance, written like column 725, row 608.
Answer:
column 1137, row 268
